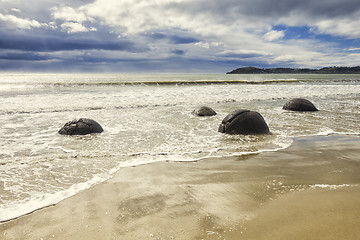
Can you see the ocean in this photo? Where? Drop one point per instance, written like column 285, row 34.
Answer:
column 148, row 118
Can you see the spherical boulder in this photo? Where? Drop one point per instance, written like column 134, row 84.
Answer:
column 204, row 111
column 245, row 122
column 81, row 126
column 299, row 104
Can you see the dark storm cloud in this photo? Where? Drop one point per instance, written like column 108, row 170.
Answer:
column 229, row 10
column 126, row 65
column 51, row 44
column 178, row 52
column 244, row 55
column 183, row 40
column 157, row 36
column 175, row 39
column 330, row 8
column 24, row 56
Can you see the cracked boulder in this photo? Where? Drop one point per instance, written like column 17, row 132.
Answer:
column 245, row 122
column 299, row 104
column 81, row 126
column 204, row 111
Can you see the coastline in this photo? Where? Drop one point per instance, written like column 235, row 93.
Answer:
column 282, row 70
column 310, row 190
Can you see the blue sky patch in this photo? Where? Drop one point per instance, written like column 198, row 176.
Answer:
column 306, row 32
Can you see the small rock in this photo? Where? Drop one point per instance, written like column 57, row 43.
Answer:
column 299, row 104
column 204, row 111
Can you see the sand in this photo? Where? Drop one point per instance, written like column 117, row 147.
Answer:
column 308, row 191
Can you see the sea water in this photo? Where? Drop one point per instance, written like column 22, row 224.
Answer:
column 147, row 118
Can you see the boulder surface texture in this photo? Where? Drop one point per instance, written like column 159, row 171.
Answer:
column 245, row 122
column 299, row 104
column 204, row 111
column 81, row 126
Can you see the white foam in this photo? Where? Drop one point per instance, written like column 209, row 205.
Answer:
column 329, row 186
column 42, row 200
column 39, row 201
column 325, row 132
column 257, row 152
column 62, row 149
column 321, row 132
column 348, row 133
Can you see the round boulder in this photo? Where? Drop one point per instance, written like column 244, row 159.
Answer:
column 299, row 104
column 204, row 111
column 81, row 126
column 245, row 122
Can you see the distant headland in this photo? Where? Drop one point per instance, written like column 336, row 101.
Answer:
column 325, row 70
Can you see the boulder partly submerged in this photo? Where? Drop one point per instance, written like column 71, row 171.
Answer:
column 245, row 122
column 204, row 111
column 300, row 104
column 81, row 126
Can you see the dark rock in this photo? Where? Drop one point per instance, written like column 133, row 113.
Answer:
column 244, row 122
column 204, row 111
column 81, row 126
column 299, row 104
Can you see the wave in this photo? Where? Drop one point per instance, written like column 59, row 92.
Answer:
column 88, row 109
column 170, row 82
column 179, row 82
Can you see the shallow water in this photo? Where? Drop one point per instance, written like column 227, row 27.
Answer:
column 147, row 118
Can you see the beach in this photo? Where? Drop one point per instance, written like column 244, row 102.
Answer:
column 179, row 119
column 310, row 190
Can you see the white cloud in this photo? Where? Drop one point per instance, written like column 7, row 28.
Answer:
column 203, row 44
column 16, row 10
column 21, row 23
column 74, row 19
column 70, row 14
column 274, row 35
column 74, row 27
column 132, row 17
column 347, row 27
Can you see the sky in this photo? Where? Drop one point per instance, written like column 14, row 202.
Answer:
column 178, row 36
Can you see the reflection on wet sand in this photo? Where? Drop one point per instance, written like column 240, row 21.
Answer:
column 308, row 191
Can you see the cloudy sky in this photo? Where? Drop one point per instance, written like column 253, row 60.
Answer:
column 177, row 35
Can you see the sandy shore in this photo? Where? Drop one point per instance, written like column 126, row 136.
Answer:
column 308, row 191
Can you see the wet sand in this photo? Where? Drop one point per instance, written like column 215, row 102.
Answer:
column 309, row 191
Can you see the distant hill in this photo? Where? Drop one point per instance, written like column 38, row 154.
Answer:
column 325, row 70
